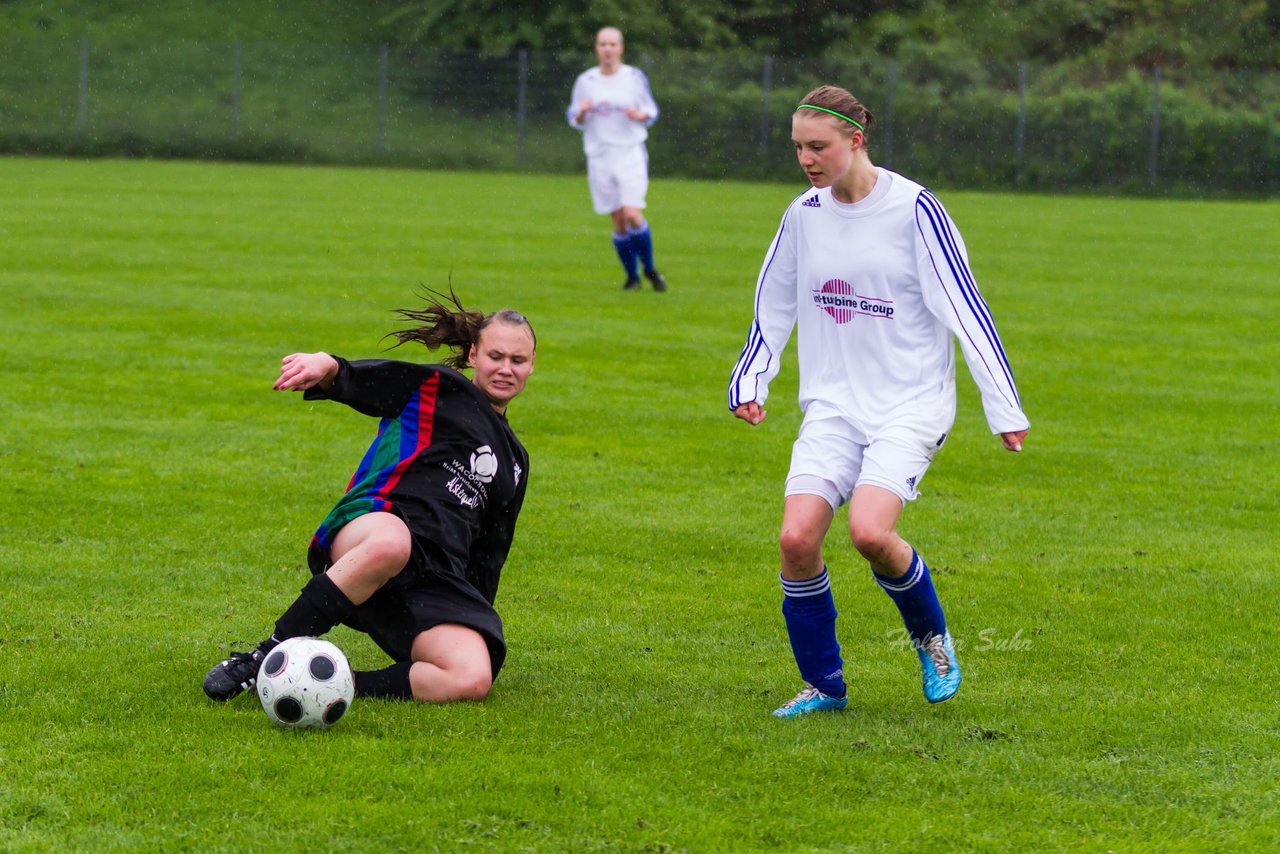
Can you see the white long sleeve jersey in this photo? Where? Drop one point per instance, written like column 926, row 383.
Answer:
column 880, row 290
column 611, row 95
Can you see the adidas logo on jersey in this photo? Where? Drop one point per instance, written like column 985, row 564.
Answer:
column 812, row 202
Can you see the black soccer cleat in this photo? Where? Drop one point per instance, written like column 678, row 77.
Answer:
column 658, row 280
column 631, row 285
column 233, row 676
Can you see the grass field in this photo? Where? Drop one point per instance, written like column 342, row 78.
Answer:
column 1113, row 587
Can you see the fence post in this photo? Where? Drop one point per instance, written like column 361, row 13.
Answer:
column 766, row 89
column 520, row 105
column 888, row 113
column 1022, row 121
column 235, row 89
column 382, row 99
column 1152, row 172
column 82, row 113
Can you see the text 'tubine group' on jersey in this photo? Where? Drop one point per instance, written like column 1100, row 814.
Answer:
column 879, row 291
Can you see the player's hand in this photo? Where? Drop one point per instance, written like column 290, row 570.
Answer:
column 750, row 412
column 584, row 108
column 301, row 371
column 1013, row 441
column 636, row 114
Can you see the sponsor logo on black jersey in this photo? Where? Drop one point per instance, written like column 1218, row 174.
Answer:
column 464, row 492
column 837, row 298
column 484, row 465
column 471, row 478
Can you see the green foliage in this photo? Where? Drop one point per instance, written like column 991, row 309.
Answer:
column 1142, row 33
column 313, row 22
column 956, row 123
column 948, row 120
column 1109, row 584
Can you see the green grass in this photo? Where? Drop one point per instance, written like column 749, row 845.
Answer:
column 1112, row 587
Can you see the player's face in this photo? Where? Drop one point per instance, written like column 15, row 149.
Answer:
column 825, row 154
column 503, row 360
column 609, row 48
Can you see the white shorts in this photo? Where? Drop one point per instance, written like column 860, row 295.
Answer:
column 619, row 178
column 831, row 456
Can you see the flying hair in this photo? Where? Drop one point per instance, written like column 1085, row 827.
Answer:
column 445, row 322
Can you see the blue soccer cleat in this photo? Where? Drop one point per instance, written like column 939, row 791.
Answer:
column 939, row 668
column 810, row 700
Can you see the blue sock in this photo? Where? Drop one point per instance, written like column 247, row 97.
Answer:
column 642, row 245
column 626, row 254
column 916, row 599
column 810, row 613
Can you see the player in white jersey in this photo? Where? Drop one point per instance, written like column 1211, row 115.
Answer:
column 613, row 107
column 872, row 271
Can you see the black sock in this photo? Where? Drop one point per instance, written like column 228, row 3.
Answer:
column 391, row 682
column 319, row 607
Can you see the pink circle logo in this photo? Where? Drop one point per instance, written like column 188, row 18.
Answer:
column 836, row 298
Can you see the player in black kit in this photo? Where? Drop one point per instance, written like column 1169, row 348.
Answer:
column 412, row 553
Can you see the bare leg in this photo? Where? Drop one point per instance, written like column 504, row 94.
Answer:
column 624, row 218
column 450, row 663
column 368, row 552
column 873, row 523
column 805, row 520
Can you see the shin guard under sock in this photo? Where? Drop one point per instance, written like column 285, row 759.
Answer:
column 810, row 612
column 390, row 682
column 917, row 601
column 320, row 607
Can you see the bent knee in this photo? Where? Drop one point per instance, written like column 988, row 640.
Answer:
column 389, row 553
column 458, row 687
column 872, row 542
column 799, row 546
column 475, row 688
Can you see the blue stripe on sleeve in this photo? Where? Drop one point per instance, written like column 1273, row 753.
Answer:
column 962, row 278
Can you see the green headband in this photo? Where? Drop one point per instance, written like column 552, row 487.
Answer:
column 834, row 113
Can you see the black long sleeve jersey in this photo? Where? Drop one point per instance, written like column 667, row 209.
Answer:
column 443, row 461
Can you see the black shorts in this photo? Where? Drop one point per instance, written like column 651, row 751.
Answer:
column 417, row 599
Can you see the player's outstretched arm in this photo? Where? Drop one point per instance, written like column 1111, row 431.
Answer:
column 750, row 412
column 301, row 371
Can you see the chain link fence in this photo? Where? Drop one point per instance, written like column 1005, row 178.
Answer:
column 981, row 125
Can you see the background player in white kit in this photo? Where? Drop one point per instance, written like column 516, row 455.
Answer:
column 612, row 105
column 873, row 272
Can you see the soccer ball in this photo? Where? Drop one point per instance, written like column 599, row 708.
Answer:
column 306, row 682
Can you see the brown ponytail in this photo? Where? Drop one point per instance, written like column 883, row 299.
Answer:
column 841, row 101
column 445, row 323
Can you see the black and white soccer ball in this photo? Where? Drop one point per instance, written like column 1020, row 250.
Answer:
column 306, row 682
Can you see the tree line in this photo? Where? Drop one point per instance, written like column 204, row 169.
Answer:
column 1211, row 34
